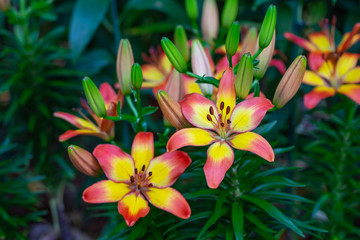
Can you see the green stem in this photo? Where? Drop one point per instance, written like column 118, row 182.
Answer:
column 190, row 74
column 131, row 105
column 257, row 53
column 229, row 60
column 54, row 214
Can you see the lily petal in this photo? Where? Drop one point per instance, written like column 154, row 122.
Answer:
column 76, row 121
column 352, row 91
column 108, row 93
column 105, row 191
column 189, row 137
column 73, row 133
column 321, row 41
column 248, row 114
column 142, row 149
column 170, row 200
column 117, row 165
column 313, row 79
column 315, row 60
column 195, row 108
column 254, row 143
column 132, row 207
column 302, row 42
column 190, row 86
column 326, row 69
column 165, row 63
column 220, row 157
column 278, row 64
column 312, row 98
column 167, row 167
column 353, row 76
column 345, row 63
column 226, row 92
column 152, row 74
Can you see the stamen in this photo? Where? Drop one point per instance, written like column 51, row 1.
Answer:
column 138, row 186
column 222, row 124
column 136, row 172
column 132, row 179
column 211, row 110
column 143, row 168
column 227, row 109
column 150, row 185
column 209, row 118
column 222, row 106
column 150, row 174
column 228, row 121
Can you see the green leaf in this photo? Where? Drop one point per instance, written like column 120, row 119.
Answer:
column 237, row 219
column 86, row 18
column 252, row 218
column 283, row 150
column 265, row 128
column 219, row 203
column 148, row 110
column 273, row 212
column 211, row 221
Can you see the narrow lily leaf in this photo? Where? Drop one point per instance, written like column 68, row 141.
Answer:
column 148, row 110
column 229, row 233
column 237, row 218
column 208, row 193
column 193, row 217
column 211, row 221
column 264, row 235
column 257, row 222
column 283, row 150
column 282, row 195
column 265, row 128
column 275, row 170
column 273, row 212
column 306, row 226
column 319, row 203
column 219, row 203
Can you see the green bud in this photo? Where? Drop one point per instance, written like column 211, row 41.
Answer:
column 94, row 97
column 136, row 76
column 181, row 42
column 244, row 76
column 264, row 59
column 267, row 27
column 192, row 9
column 232, row 39
column 173, row 54
column 229, row 13
column 124, row 62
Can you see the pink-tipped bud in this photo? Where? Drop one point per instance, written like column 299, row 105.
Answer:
column 84, row 161
column 249, row 44
column 174, row 86
column 124, row 63
column 264, row 59
column 210, row 21
column 172, row 110
column 290, row 82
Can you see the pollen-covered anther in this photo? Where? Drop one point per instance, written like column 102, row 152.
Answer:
column 228, row 121
column 228, row 110
column 136, row 171
column 222, row 105
column 139, row 186
column 150, row 174
column 132, row 179
column 209, row 118
column 211, row 110
column 150, row 185
column 143, row 168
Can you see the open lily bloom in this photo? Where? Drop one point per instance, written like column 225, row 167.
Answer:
column 100, row 127
column 136, row 179
column 324, row 42
column 223, row 125
column 341, row 76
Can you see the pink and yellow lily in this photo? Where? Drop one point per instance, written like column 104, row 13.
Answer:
column 342, row 76
column 224, row 125
column 134, row 180
column 100, row 127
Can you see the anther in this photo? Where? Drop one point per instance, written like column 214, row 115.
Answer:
column 222, row 124
column 139, row 187
column 209, row 118
column 132, row 179
column 227, row 110
column 150, row 185
column 211, row 110
column 228, row 121
column 150, row 174
column 221, row 106
column 136, row 172
column 143, row 168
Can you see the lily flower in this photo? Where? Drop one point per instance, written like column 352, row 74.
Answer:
column 223, row 126
column 99, row 127
column 134, row 180
column 342, row 76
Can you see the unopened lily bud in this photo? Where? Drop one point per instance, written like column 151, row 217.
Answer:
column 232, row 39
column 290, row 82
column 192, row 9
column 229, row 13
column 201, row 65
column 267, row 27
column 249, row 44
column 181, row 41
column 94, row 97
column 174, row 86
column 136, row 76
column 264, row 59
column 84, row 161
column 244, row 76
column 210, row 21
column 172, row 110
column 4, row 5
column 173, row 54
column 124, row 62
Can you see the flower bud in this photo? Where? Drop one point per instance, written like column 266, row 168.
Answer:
column 174, row 86
column 229, row 13
column 124, row 62
column 267, row 27
column 244, row 76
column 192, row 9
column 181, row 41
column 290, row 82
column 210, row 21
column 173, row 54
column 4, row 5
column 94, row 97
column 172, row 110
column 264, row 59
column 201, row 65
column 232, row 39
column 84, row 161
column 136, row 76
column 249, row 44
